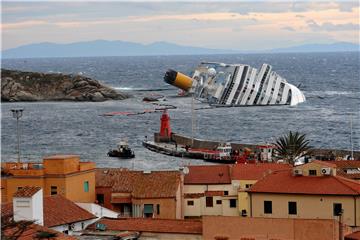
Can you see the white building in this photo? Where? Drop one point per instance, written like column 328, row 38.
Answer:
column 54, row 212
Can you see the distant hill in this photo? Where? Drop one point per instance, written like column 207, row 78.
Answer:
column 332, row 47
column 104, row 48
column 122, row 48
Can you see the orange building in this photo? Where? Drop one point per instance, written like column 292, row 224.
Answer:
column 148, row 194
column 59, row 174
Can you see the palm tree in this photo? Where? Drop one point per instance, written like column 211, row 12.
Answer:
column 291, row 146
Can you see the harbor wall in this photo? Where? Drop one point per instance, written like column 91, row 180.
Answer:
column 326, row 154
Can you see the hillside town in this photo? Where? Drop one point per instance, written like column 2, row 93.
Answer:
column 63, row 197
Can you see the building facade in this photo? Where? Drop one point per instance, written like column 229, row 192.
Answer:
column 55, row 212
column 310, row 191
column 208, row 191
column 156, row 194
column 59, row 174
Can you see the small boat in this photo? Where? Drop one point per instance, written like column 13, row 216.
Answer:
column 123, row 151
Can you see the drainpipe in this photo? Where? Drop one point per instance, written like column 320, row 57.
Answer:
column 250, row 204
column 355, row 210
column 182, row 199
column 341, row 233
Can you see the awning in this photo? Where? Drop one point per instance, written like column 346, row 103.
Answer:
column 148, row 208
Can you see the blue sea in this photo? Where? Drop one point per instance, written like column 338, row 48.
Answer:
column 330, row 82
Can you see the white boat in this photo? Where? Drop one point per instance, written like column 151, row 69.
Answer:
column 222, row 84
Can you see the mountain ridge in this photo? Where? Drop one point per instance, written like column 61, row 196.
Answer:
column 124, row 48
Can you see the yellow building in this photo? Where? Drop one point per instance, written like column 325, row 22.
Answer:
column 58, row 174
column 310, row 191
column 243, row 176
column 208, row 191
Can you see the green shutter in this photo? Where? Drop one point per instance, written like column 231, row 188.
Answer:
column 86, row 186
column 148, row 208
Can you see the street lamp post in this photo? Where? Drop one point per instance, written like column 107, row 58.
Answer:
column 17, row 113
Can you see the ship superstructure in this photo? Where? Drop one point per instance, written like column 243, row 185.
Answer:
column 222, row 84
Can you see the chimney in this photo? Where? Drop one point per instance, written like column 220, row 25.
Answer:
column 28, row 205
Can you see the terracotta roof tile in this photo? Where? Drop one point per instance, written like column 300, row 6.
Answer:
column 214, row 193
column 341, row 172
column 255, row 171
column 193, row 195
column 325, row 163
column 156, row 184
column 348, row 168
column 6, row 209
column 285, row 182
column 120, row 200
column 26, row 191
column 31, row 232
column 151, row 225
column 57, row 211
column 347, row 163
column 208, row 174
column 353, row 236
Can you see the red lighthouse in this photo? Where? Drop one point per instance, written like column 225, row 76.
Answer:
column 165, row 130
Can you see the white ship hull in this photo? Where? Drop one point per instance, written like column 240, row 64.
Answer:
column 241, row 85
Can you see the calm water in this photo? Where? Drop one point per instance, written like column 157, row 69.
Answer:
column 330, row 82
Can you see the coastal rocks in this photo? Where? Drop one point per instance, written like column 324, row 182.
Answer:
column 34, row 86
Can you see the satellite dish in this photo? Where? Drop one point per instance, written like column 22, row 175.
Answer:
column 185, row 170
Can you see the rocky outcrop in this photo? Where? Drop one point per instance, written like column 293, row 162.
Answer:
column 34, row 86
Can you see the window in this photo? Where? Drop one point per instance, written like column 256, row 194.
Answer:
column 337, row 209
column 157, row 209
column 248, row 185
column 218, row 202
column 86, row 186
column 312, row 172
column 268, row 207
column 190, row 203
column 292, row 208
column 226, row 193
column 233, row 203
column 100, row 198
column 209, row 201
column 148, row 210
column 53, row 190
column 22, row 203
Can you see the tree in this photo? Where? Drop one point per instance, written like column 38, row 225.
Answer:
column 292, row 146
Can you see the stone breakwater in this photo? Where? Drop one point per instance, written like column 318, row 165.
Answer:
column 35, row 86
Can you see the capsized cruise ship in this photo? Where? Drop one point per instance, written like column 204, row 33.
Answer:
column 222, row 84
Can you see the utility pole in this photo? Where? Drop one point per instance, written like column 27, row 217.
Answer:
column 351, row 138
column 17, row 113
column 192, row 120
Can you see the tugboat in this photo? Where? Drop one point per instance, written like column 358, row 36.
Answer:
column 122, row 151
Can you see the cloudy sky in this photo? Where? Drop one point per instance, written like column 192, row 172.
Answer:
column 225, row 25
